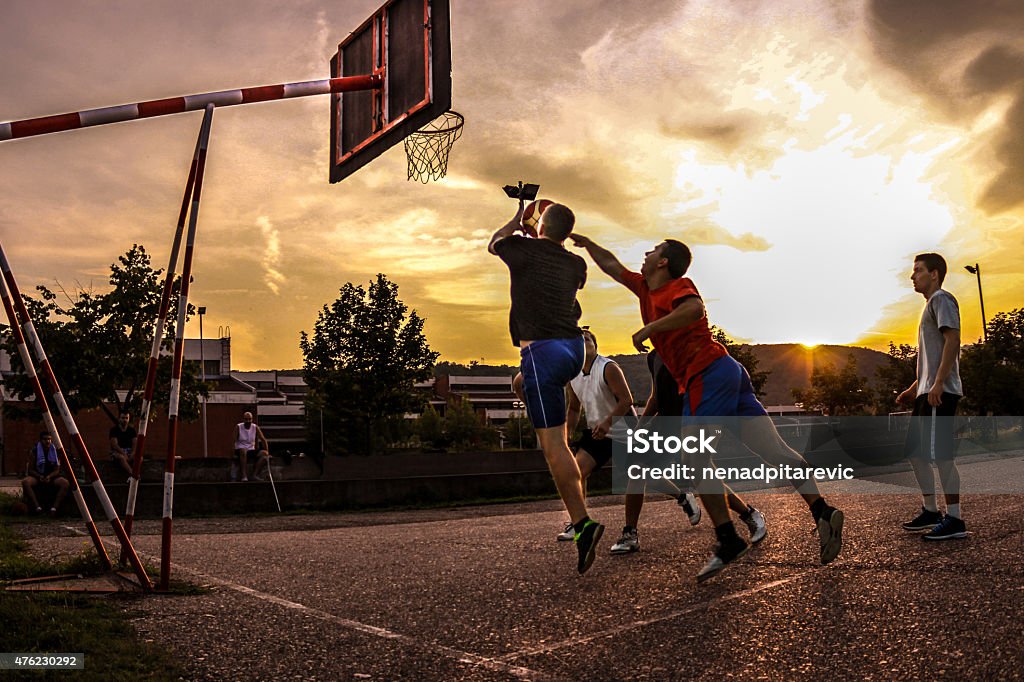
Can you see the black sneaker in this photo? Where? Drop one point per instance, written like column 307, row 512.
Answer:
column 926, row 520
column 830, row 534
column 586, row 544
column 725, row 553
column 950, row 528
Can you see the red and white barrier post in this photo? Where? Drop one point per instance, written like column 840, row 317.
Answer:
column 51, row 427
column 32, row 338
column 158, row 334
column 179, row 343
column 176, row 105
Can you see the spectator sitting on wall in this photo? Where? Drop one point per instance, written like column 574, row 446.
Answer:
column 247, row 437
column 44, row 469
column 122, row 442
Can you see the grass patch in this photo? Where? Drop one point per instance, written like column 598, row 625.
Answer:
column 41, row 622
column 71, row 623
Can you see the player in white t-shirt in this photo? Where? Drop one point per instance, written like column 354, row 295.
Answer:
column 934, row 395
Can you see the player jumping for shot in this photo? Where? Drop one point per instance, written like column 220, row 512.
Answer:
column 543, row 322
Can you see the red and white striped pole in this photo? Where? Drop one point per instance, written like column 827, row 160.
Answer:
column 179, row 343
column 51, row 427
column 158, row 337
column 176, row 105
column 28, row 329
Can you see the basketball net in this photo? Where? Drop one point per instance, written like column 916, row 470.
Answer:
column 427, row 148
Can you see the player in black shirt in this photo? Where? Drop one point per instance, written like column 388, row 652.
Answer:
column 543, row 323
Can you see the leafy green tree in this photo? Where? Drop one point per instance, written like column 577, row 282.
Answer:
column 462, row 425
column 430, row 428
column 519, row 432
column 993, row 371
column 99, row 343
column 837, row 392
column 744, row 355
column 895, row 376
column 366, row 351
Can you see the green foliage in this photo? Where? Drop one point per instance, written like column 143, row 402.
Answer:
column 993, row 372
column 462, row 426
column 519, row 432
column 57, row 622
column 361, row 361
column 895, row 377
column 99, row 343
column 744, row 355
column 430, row 428
column 836, row 392
column 473, row 369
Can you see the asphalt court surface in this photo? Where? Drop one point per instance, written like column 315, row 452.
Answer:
column 487, row 593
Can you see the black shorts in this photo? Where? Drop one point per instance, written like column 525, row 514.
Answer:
column 598, row 448
column 931, row 433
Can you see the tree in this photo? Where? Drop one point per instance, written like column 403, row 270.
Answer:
column 430, row 428
column 744, row 355
column 993, row 371
column 361, row 361
column 837, row 392
column 99, row 343
column 895, row 376
column 462, row 427
column 519, row 432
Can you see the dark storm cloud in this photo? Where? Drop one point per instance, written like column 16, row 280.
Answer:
column 601, row 188
column 929, row 41
column 994, row 70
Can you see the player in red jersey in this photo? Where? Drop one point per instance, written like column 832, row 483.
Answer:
column 711, row 382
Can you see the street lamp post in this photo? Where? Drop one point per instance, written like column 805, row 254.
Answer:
column 976, row 270
column 202, row 374
column 518, row 405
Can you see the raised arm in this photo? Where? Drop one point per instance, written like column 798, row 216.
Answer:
column 604, row 258
column 508, row 229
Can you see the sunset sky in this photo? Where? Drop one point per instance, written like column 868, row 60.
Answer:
column 806, row 150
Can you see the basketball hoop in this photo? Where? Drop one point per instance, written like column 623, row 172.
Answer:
column 427, row 148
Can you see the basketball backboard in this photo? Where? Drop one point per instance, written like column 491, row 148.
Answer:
column 408, row 43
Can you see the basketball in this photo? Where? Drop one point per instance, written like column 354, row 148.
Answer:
column 19, row 509
column 533, row 211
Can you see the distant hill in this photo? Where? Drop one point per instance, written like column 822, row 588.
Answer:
column 790, row 365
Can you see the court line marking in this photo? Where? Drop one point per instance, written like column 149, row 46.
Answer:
column 494, row 664
column 620, row 629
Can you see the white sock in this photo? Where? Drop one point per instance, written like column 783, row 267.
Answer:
column 953, row 510
column 929, row 503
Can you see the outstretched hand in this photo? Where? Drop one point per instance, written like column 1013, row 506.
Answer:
column 580, row 240
column 639, row 338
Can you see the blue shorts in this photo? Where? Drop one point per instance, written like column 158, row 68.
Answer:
column 547, row 366
column 723, row 389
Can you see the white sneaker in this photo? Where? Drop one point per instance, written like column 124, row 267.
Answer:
column 757, row 525
column 688, row 502
column 723, row 556
column 628, row 543
column 568, row 533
